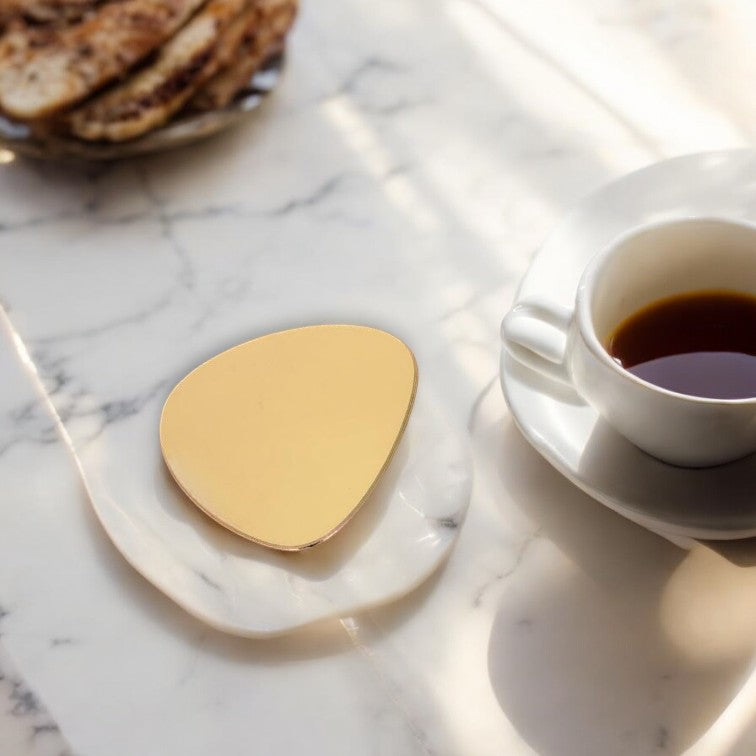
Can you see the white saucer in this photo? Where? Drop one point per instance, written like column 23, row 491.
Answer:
column 397, row 539
column 680, row 504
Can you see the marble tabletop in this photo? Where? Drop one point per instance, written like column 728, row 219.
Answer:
column 415, row 155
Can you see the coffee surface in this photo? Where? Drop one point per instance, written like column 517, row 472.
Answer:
column 699, row 343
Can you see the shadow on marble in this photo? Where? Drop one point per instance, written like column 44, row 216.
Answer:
column 318, row 563
column 583, row 659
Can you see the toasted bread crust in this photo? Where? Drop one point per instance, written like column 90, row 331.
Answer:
column 154, row 94
column 44, row 11
column 112, row 70
column 262, row 38
column 41, row 76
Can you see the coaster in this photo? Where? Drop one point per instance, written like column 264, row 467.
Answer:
column 282, row 439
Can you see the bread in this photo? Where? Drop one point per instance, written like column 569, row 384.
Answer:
column 42, row 77
column 112, row 70
column 263, row 37
column 154, row 94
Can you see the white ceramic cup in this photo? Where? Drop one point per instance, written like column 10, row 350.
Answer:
column 645, row 265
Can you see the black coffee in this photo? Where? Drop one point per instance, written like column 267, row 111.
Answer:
column 701, row 344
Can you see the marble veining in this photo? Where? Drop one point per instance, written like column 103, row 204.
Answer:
column 25, row 724
column 499, row 577
column 414, row 156
column 185, row 554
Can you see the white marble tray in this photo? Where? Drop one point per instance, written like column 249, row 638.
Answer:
column 399, row 536
column 396, row 540
column 124, row 305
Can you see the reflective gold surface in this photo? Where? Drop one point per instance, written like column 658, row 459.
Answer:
column 282, row 438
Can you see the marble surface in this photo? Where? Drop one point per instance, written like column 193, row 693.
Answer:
column 414, row 157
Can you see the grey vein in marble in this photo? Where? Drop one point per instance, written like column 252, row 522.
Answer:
column 507, row 138
column 25, row 724
column 504, row 575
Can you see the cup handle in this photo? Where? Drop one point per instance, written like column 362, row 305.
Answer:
column 542, row 350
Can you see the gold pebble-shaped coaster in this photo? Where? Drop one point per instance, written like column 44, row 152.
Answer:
column 281, row 439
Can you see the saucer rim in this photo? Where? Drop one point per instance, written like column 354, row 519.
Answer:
column 680, row 533
column 660, row 526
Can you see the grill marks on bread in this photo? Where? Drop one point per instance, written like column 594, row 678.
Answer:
column 44, row 11
column 111, row 70
column 264, row 33
column 39, row 76
column 155, row 93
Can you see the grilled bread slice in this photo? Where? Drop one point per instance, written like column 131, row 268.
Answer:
column 263, row 37
column 44, row 11
column 150, row 97
column 38, row 78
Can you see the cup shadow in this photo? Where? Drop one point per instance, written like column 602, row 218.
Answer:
column 579, row 657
